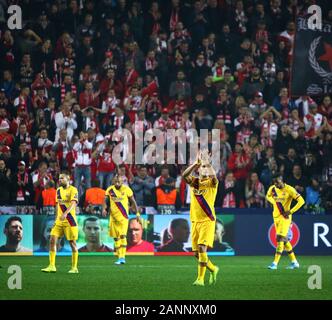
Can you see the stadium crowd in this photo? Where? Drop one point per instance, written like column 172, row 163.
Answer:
column 79, row 70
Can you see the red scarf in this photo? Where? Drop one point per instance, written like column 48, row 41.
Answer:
column 174, row 19
column 63, row 91
column 229, row 200
column 20, row 192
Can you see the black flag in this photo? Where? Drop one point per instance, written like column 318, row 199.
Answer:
column 312, row 60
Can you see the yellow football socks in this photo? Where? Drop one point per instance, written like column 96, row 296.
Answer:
column 289, row 249
column 202, row 262
column 280, row 249
column 211, row 267
column 52, row 258
column 123, row 248
column 74, row 259
column 117, row 246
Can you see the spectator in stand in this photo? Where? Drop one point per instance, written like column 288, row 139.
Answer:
column 240, row 164
column 298, row 181
column 313, row 197
column 163, row 176
column 254, row 192
column 167, row 194
column 67, row 87
column 118, row 121
column 327, row 195
column 228, row 83
column 289, row 161
column 106, row 167
column 44, row 145
column 253, row 84
column 23, row 154
column 143, row 186
column 283, row 103
column 89, row 121
column 5, row 184
column 229, row 195
column 313, row 121
column 132, row 103
column 8, row 84
column 89, row 98
column 93, row 197
column 65, row 119
column 62, row 148
column 23, row 136
column 180, row 86
column 48, row 198
column 40, row 178
column 257, row 105
column 310, row 165
column 283, row 142
column 82, row 155
column 325, row 109
column 273, row 89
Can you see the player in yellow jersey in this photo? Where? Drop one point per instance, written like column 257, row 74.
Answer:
column 203, row 191
column 117, row 200
column 281, row 195
column 65, row 223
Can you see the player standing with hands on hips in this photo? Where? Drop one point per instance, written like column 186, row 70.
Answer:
column 117, row 198
column 280, row 195
column 203, row 191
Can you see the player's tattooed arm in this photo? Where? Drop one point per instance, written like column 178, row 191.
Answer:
column 206, row 160
column 106, row 205
column 134, row 205
column 186, row 175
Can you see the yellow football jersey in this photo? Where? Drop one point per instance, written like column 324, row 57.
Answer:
column 281, row 199
column 64, row 197
column 119, row 202
column 202, row 197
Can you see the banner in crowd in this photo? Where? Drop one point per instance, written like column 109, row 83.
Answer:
column 312, row 59
column 241, row 234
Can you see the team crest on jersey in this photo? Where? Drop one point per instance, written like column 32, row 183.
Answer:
column 293, row 235
column 199, row 192
column 114, row 197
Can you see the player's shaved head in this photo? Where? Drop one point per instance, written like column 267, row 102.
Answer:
column 278, row 180
column 64, row 179
column 117, row 181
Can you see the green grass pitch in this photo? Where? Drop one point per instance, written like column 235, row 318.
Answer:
column 167, row 277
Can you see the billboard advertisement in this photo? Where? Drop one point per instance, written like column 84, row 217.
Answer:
column 309, row 234
column 16, row 235
column 172, row 235
column 167, row 235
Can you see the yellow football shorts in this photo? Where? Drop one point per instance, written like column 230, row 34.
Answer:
column 118, row 228
column 282, row 225
column 71, row 233
column 202, row 233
